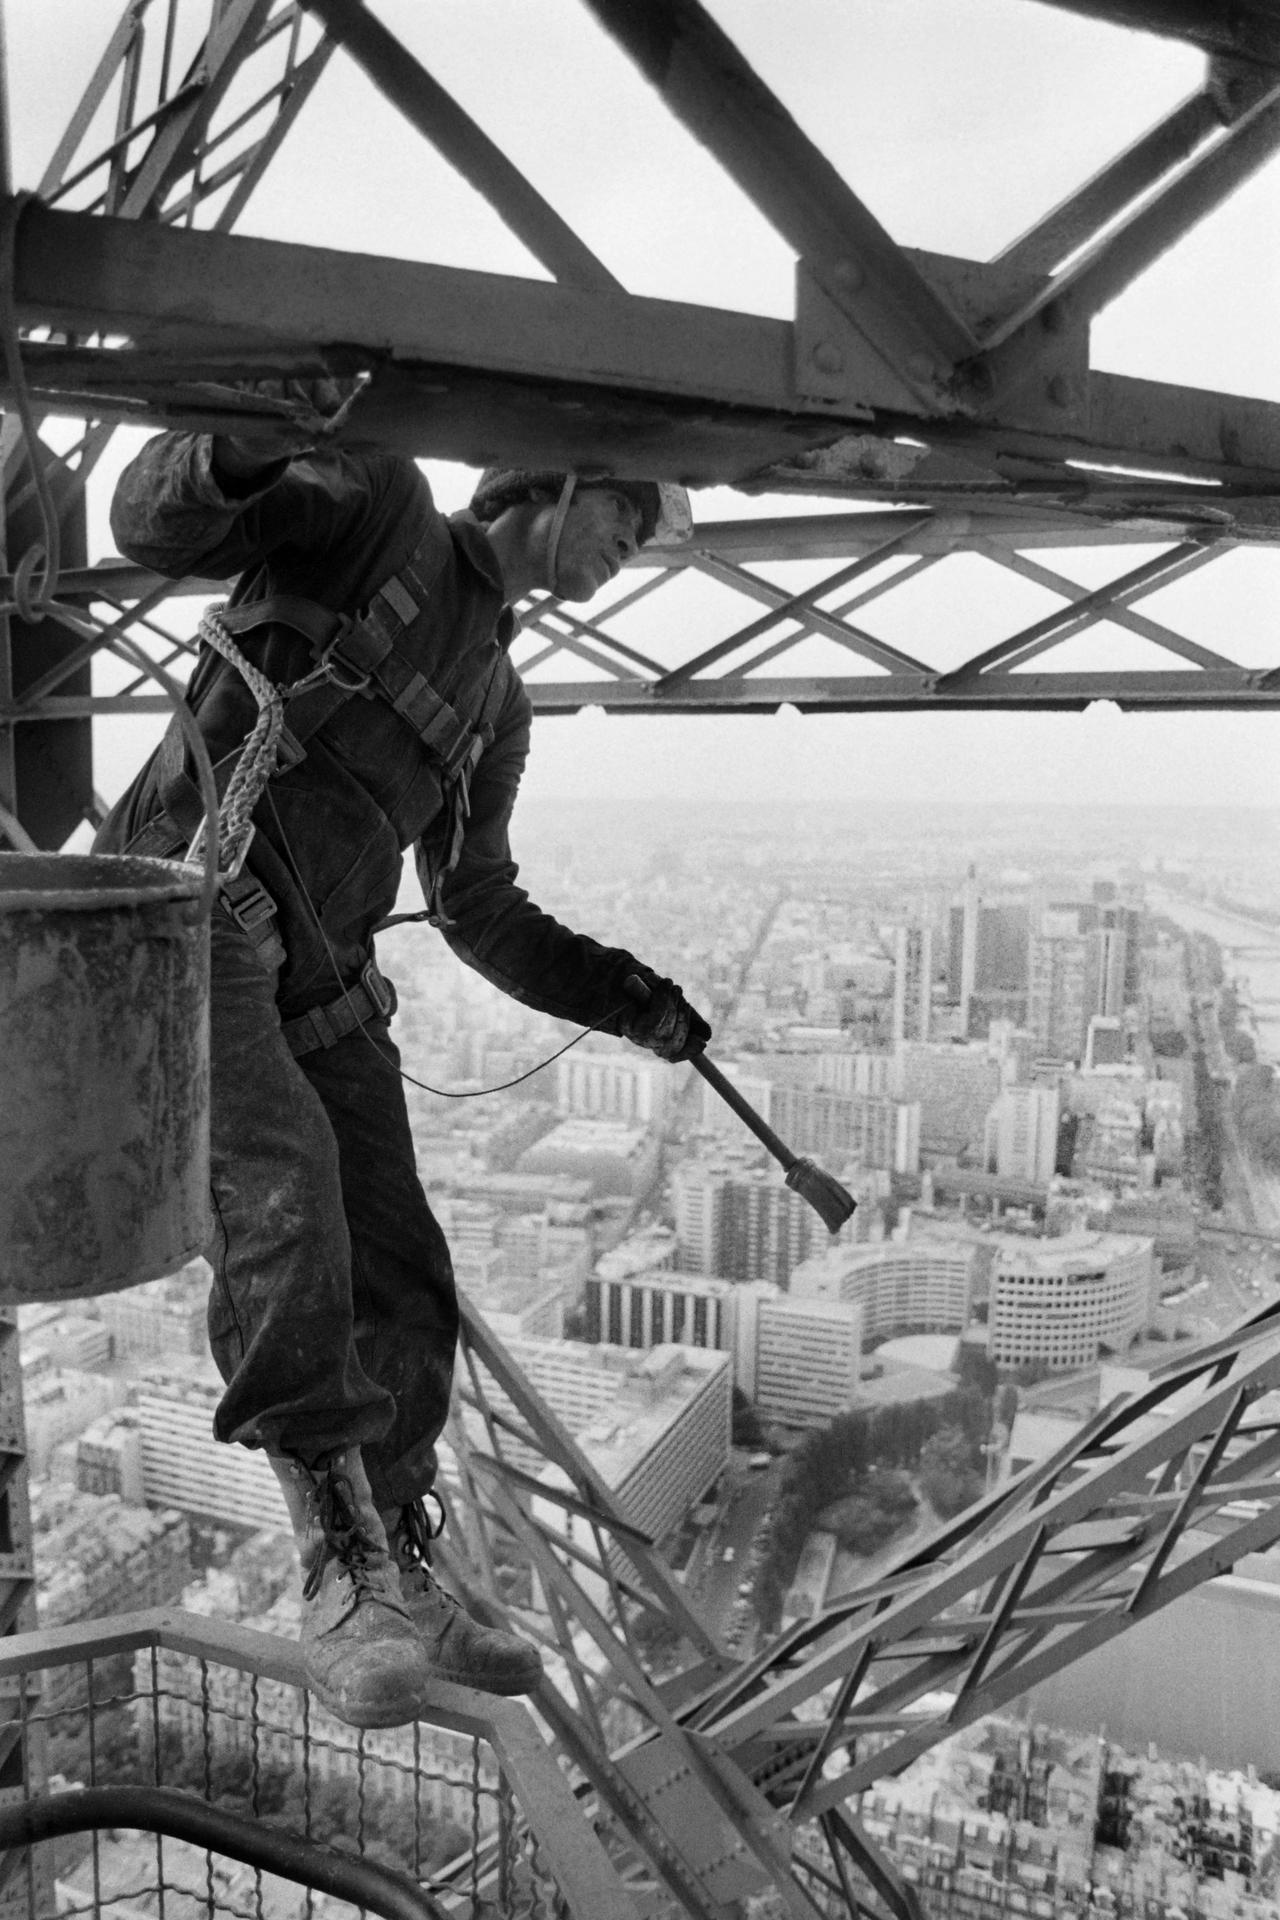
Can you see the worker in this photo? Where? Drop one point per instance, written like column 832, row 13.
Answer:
column 332, row 1311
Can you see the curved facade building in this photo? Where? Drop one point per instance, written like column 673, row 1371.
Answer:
column 1062, row 1303
column 902, row 1286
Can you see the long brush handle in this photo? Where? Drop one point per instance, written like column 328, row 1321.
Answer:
column 743, row 1108
column 635, row 989
column 830, row 1201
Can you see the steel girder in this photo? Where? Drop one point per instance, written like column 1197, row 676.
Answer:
column 603, row 658
column 727, row 1774
column 957, row 393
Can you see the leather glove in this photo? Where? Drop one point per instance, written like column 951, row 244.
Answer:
column 661, row 1019
column 304, row 414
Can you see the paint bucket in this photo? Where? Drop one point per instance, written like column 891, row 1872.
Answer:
column 104, row 1072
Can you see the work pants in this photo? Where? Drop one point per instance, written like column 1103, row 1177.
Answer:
column 332, row 1315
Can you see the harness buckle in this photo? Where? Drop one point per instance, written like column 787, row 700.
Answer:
column 327, row 669
column 250, row 910
column 329, row 661
column 461, row 756
column 382, row 994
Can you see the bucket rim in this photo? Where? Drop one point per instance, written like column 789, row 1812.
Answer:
column 82, row 882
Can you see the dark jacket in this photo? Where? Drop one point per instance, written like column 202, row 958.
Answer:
column 331, row 831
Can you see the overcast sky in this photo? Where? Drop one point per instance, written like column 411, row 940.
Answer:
column 958, row 122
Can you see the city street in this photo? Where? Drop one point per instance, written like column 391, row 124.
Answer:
column 715, row 1580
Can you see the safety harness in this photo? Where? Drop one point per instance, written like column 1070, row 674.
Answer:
column 350, row 656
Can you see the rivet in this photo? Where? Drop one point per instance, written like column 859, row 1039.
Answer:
column 847, row 273
column 1059, row 391
column 827, row 357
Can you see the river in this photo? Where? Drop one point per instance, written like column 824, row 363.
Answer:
column 1250, row 957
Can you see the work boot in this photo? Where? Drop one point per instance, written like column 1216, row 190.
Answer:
column 364, row 1660
column 457, row 1647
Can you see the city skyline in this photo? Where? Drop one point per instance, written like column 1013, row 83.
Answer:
column 990, row 1275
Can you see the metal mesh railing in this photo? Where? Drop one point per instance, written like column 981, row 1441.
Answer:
column 462, row 1805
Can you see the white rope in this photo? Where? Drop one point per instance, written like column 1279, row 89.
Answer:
column 258, row 755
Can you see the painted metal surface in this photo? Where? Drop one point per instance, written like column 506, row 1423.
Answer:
column 1159, row 1492
column 104, row 1103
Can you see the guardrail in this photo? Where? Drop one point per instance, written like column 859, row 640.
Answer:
column 470, row 1806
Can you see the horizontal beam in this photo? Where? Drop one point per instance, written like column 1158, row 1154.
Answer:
column 1044, row 692
column 196, row 296
column 1152, row 439
column 481, row 367
column 1189, row 429
column 1214, row 689
column 817, row 536
column 823, row 536
column 844, row 536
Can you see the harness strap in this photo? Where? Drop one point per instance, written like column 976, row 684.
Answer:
column 351, row 656
column 308, row 617
column 249, row 904
column 373, row 998
column 361, row 657
column 458, row 797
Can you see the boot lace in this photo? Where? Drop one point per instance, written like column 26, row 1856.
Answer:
column 345, row 1540
column 416, row 1531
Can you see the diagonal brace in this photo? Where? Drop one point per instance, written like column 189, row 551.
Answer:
column 1003, row 1614
column 1178, row 1520
column 797, row 607
column 706, row 83
column 480, row 161
column 1122, row 616
column 1006, row 653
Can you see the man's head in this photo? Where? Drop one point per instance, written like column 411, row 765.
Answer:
column 571, row 533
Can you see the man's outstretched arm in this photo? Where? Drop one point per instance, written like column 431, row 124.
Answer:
column 498, row 930
column 198, row 503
